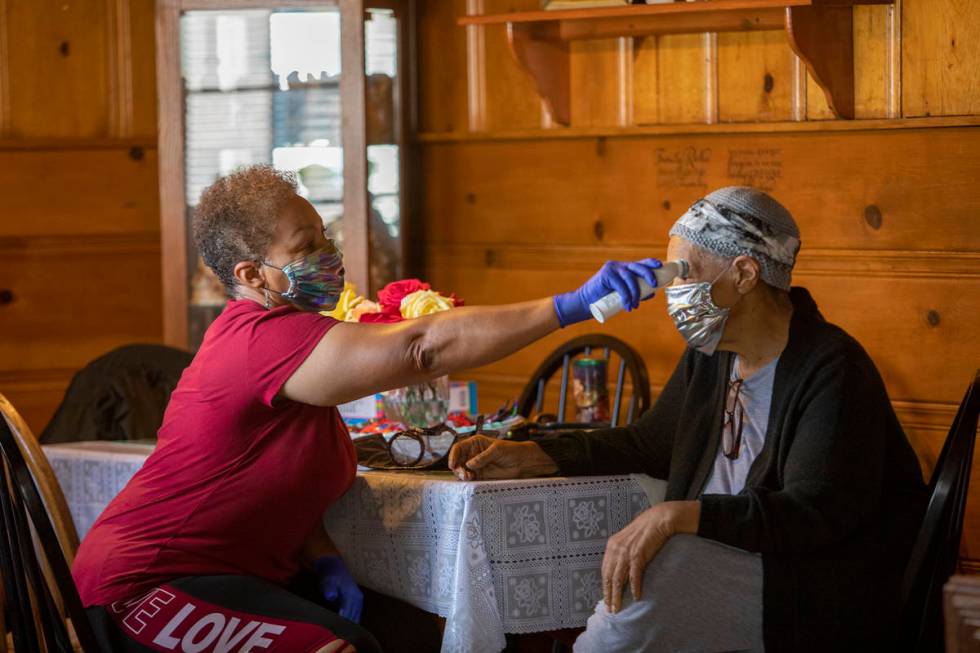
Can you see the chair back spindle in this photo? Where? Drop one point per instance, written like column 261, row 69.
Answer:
column 630, row 367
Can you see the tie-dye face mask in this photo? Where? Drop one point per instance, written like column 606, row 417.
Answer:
column 315, row 281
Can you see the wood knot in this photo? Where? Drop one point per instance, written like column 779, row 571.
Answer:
column 63, row 48
column 136, row 153
column 767, row 83
column 600, row 146
column 933, row 318
column 6, row 297
column 599, row 230
column 471, row 198
column 489, row 258
column 872, row 216
column 666, row 205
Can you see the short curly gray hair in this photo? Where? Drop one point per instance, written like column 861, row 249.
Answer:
column 235, row 219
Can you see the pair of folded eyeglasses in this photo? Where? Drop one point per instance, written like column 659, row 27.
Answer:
column 421, row 447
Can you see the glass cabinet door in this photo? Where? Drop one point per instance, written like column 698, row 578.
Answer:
column 264, row 86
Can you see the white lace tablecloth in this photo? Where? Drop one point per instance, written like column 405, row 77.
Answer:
column 493, row 557
column 91, row 474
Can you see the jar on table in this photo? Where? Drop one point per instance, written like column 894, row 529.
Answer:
column 590, row 390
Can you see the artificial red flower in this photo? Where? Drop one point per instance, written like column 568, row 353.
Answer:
column 384, row 317
column 390, row 297
column 457, row 301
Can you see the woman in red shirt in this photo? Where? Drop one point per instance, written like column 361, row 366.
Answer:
column 196, row 551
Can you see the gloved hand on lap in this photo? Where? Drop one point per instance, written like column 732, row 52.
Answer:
column 338, row 587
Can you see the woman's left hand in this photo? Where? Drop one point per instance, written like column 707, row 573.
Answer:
column 629, row 551
column 339, row 587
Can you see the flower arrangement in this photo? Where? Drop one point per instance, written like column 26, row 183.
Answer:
column 419, row 405
column 399, row 300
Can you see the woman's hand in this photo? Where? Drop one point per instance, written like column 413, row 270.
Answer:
column 480, row 457
column 629, row 551
column 613, row 276
column 339, row 587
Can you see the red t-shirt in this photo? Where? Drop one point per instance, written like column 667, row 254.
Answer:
column 238, row 479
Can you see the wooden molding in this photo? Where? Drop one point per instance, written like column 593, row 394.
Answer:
column 4, row 77
column 120, row 74
column 173, row 212
column 476, row 71
column 62, row 144
column 970, row 566
column 357, row 242
column 823, row 37
column 894, row 61
column 701, row 128
column 80, row 244
column 812, row 262
column 188, row 5
column 545, row 56
column 820, row 32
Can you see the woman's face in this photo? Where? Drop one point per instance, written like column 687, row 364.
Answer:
column 299, row 232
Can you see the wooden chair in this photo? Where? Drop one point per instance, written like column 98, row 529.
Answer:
column 29, row 543
column 52, row 497
column 47, row 482
column 532, row 400
column 934, row 553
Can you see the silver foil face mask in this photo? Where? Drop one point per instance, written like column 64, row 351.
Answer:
column 700, row 321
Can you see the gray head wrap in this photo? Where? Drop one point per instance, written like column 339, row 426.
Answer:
column 742, row 221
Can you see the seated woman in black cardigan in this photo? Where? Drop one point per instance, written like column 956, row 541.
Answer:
column 793, row 494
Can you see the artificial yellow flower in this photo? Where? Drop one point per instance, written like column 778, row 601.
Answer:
column 348, row 300
column 424, row 302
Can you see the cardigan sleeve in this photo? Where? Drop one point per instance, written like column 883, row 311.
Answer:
column 833, row 473
column 641, row 447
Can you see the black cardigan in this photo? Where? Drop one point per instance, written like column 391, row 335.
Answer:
column 833, row 502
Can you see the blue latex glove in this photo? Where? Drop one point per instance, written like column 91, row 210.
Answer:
column 615, row 276
column 338, row 587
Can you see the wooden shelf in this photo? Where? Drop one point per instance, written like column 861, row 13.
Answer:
column 698, row 129
column 820, row 32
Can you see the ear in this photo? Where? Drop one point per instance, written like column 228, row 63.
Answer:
column 747, row 274
column 248, row 274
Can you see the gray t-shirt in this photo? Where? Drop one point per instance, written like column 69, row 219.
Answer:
column 728, row 476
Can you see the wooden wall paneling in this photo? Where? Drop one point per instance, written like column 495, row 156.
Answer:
column 684, row 63
column 816, row 102
column 755, row 77
column 923, row 350
column 120, row 56
column 927, row 425
column 873, row 81
column 35, row 393
column 601, row 82
column 4, row 73
column 78, row 191
column 940, row 57
column 646, row 77
column 511, row 101
column 143, row 69
column 873, row 191
column 74, row 298
column 57, row 53
column 442, row 66
column 469, row 190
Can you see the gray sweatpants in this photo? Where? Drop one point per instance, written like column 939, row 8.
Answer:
column 698, row 596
